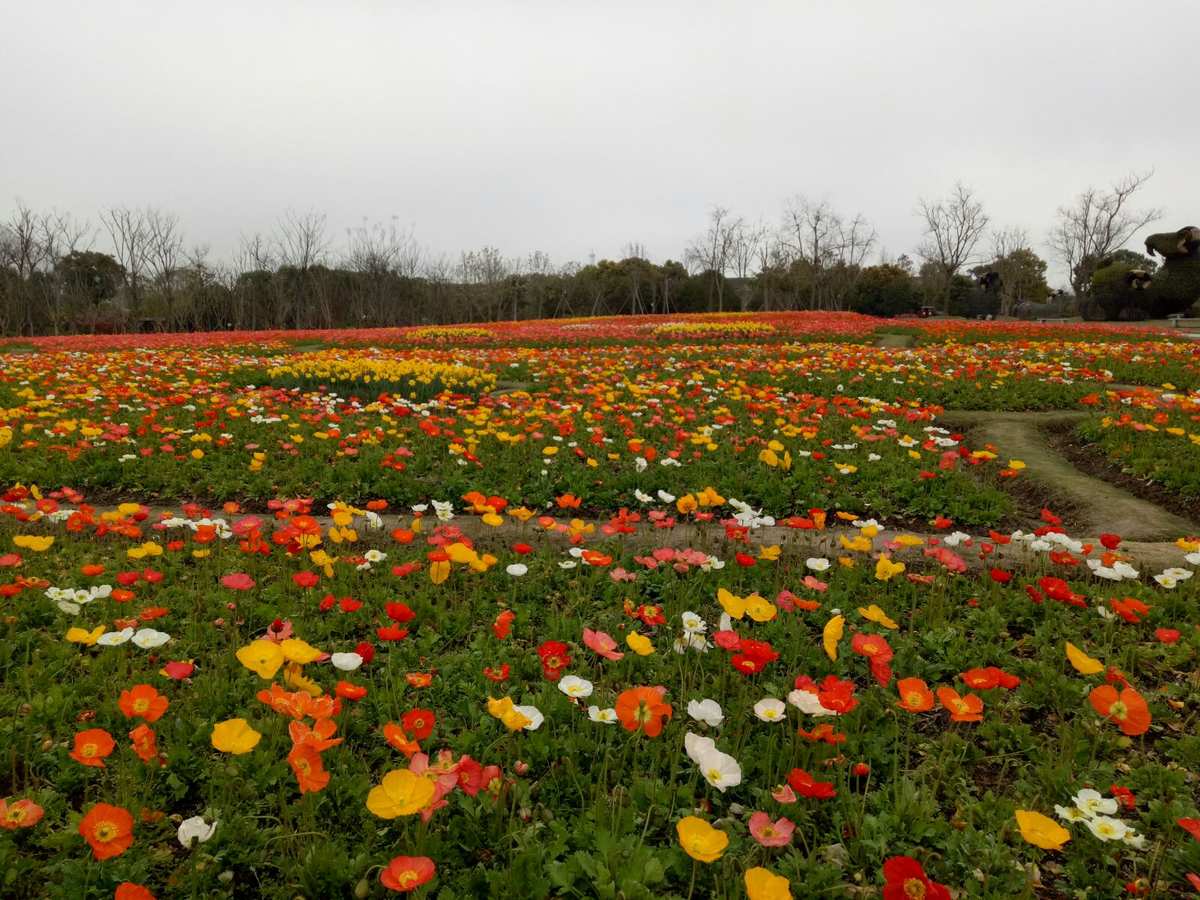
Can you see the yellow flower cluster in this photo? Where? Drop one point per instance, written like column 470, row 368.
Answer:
column 408, row 374
column 448, row 333
column 743, row 328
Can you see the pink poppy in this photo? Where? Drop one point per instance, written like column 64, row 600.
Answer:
column 815, row 584
column 238, row 581
column 771, row 834
column 602, row 644
column 783, row 794
column 178, row 670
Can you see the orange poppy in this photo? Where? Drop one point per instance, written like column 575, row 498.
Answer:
column 108, row 829
column 915, row 696
column 643, row 707
column 961, row 709
column 406, row 873
column 145, row 742
column 143, row 702
column 1127, row 709
column 419, row 679
column 394, row 735
column 127, row 890
column 92, row 746
column 305, row 761
column 320, row 737
column 19, row 814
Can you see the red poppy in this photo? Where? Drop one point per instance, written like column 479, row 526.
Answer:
column 306, row 579
column 1191, row 826
column 496, row 673
column 238, row 581
column 805, row 785
column 753, row 656
column 178, row 670
column 906, row 880
column 399, row 612
column 348, row 691
column 419, row 723
column 1167, row 635
column 127, row 890
column 555, row 659
column 391, row 633
column 503, row 624
column 1000, row 577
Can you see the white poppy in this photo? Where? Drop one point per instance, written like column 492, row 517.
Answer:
column 706, row 711
column 817, row 563
column 148, row 638
column 1107, row 828
column 692, row 623
column 346, row 662
column 195, row 830
column 114, row 638
column 1092, row 803
column 574, row 686
column 720, row 770
column 603, row 716
column 769, row 709
column 1070, row 813
column 516, row 569
column 807, row 703
column 665, row 497
column 696, row 746
column 533, row 714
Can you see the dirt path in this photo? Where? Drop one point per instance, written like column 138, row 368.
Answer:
column 1095, row 505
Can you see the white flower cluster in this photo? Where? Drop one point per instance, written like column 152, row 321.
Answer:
column 1097, row 813
column 719, row 769
column 693, row 635
column 69, row 600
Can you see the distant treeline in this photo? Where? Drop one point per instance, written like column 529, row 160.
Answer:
column 54, row 280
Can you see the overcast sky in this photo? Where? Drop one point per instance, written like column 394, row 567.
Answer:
column 577, row 128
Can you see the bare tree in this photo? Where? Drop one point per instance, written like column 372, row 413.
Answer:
column 129, row 233
column 953, row 227
column 164, row 254
column 301, row 240
column 831, row 249
column 1098, row 223
column 712, row 251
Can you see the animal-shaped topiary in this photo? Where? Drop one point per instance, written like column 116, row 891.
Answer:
column 1121, row 292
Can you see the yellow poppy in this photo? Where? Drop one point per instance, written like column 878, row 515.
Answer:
column 298, row 651
column 639, row 643
column 1083, row 663
column 874, row 614
column 261, row 657
column 885, row 568
column 832, row 634
column 700, row 840
column 1041, row 831
column 235, row 736
column 83, row 636
column 762, row 884
column 401, row 793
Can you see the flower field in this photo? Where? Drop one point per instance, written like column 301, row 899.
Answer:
column 709, row 606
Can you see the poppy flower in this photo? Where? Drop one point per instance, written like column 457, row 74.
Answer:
column 762, row 884
column 407, row 873
column 1126, row 709
column 419, row 679
column 915, row 696
column 602, row 644
column 753, row 656
column 235, row 736
column 145, row 742
column 961, row 709
column 350, row 691
column 700, row 840
column 238, row 581
column 497, row 673
column 19, row 814
column 310, row 772
column 771, row 834
column 503, row 624
column 143, row 702
column 1167, row 635
column 108, row 829
column 555, row 659
column 1191, row 826
column 92, row 746
column 391, row 633
column 127, row 890
column 805, row 785
column 1041, row 830
column 400, row 793
column 643, row 708
column 261, row 657
column 395, row 735
column 419, row 723
column 905, row 879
